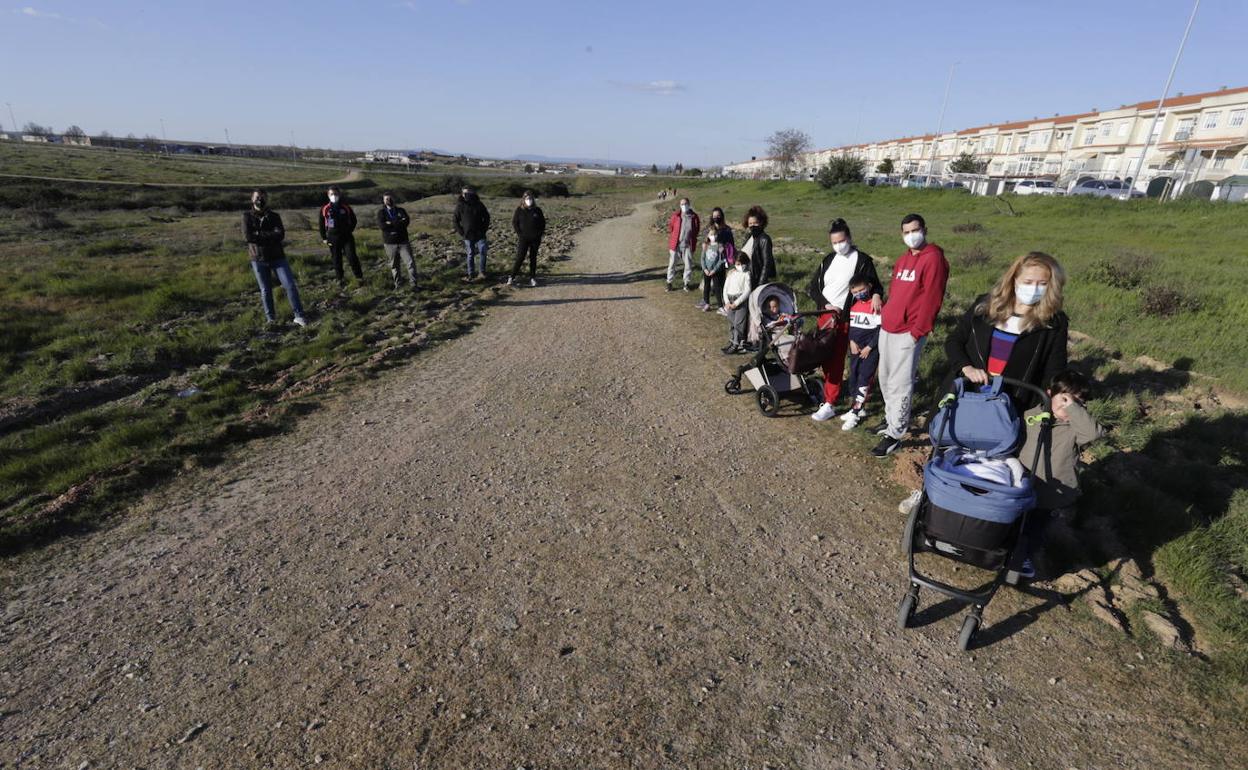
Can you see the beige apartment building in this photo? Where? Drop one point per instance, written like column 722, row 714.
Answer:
column 1199, row 140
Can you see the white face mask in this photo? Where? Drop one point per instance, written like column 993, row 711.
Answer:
column 742, row 268
column 842, row 248
column 1029, row 293
column 684, row 208
column 333, row 199
column 711, row 238
column 914, row 239
column 528, row 201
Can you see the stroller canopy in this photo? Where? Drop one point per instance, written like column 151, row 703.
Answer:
column 758, row 300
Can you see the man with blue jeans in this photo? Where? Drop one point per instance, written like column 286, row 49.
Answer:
column 472, row 220
column 263, row 231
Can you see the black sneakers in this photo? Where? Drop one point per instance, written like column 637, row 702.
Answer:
column 886, row 447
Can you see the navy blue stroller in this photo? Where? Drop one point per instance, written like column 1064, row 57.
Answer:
column 965, row 513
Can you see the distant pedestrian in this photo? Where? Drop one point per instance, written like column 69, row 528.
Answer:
column 718, row 253
column 337, row 225
column 530, row 225
column 393, row 221
column 264, row 233
column 682, row 238
column 472, row 222
column 758, row 247
column 914, row 298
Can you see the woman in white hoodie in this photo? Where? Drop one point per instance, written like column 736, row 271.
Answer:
column 737, row 302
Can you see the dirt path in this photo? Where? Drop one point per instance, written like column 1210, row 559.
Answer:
column 554, row 542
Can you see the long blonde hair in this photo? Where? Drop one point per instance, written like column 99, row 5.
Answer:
column 998, row 306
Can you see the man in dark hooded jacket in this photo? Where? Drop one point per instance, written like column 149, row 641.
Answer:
column 472, row 221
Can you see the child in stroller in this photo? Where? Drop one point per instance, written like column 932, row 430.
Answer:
column 775, row 321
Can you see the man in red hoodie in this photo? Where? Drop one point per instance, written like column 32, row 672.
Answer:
column 682, row 237
column 914, row 298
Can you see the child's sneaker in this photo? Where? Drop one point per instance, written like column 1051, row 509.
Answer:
column 533, row 282
column 850, row 420
column 1027, row 569
column 907, row 505
column 825, row 412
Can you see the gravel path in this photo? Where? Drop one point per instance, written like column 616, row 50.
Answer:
column 553, row 542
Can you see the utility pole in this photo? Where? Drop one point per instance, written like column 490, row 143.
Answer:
column 163, row 136
column 292, row 145
column 940, row 123
column 1148, row 141
column 11, row 118
column 229, row 148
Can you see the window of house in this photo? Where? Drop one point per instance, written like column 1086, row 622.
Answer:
column 1219, row 164
column 990, row 143
column 1184, row 129
column 1123, row 127
column 1243, row 164
column 1106, row 128
column 1089, row 135
column 1211, row 120
column 1237, row 119
column 1009, row 144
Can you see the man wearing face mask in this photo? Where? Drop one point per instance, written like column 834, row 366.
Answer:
column 914, row 299
column 829, row 289
column 530, row 224
column 263, row 232
column 393, row 221
column 472, row 222
column 682, row 236
column 337, row 225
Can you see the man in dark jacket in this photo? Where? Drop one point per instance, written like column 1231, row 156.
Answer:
column 530, row 224
column 337, row 224
column 393, row 221
column 263, row 232
column 472, row 221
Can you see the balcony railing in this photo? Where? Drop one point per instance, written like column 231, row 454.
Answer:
column 1182, row 135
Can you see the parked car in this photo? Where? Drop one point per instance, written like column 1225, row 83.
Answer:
column 1105, row 188
column 952, row 186
column 1036, row 187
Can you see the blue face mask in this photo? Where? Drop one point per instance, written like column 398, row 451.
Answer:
column 860, row 296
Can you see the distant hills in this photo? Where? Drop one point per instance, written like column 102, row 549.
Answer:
column 539, row 158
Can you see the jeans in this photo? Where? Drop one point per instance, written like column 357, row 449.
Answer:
column 686, row 254
column 862, row 376
column 404, row 250
column 345, row 247
column 480, row 248
column 263, row 272
column 713, row 286
column 530, row 248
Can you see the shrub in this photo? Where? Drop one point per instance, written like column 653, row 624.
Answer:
column 975, row 256
column 1165, row 301
column 1126, row 271
column 840, row 170
column 111, row 247
column 41, row 219
column 968, row 227
column 449, row 184
column 556, row 190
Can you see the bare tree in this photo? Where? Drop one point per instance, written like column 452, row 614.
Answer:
column 36, row 129
column 786, row 144
column 74, row 132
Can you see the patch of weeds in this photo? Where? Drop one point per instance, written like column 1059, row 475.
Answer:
column 1164, row 301
column 974, row 256
column 110, row 247
column 1129, row 270
column 41, row 219
column 968, row 227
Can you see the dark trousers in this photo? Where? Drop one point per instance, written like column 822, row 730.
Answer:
column 1032, row 537
column 862, row 376
column 339, row 248
column 523, row 247
column 713, row 286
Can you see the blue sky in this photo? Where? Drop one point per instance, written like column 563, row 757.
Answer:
column 647, row 81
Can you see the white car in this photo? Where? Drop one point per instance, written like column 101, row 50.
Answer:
column 1105, row 188
column 1036, row 187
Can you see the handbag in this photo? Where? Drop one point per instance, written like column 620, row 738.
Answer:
column 812, row 350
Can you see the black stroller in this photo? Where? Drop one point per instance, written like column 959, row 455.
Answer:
column 768, row 372
column 965, row 513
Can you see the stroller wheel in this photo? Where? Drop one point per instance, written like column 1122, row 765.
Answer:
column 969, row 627
column 905, row 610
column 733, row 386
column 768, row 400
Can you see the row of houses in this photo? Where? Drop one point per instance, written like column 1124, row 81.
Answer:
column 1198, row 142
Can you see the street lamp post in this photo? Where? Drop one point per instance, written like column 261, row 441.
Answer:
column 1148, row 141
column 940, row 122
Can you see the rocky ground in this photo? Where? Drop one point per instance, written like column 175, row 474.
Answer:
column 555, row 542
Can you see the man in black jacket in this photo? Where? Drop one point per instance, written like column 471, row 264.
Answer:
column 472, row 221
column 393, row 221
column 337, row 224
column 530, row 224
column 263, row 232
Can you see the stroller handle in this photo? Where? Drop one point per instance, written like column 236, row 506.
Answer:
column 1036, row 389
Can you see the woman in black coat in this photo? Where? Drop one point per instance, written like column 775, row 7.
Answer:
column 1017, row 330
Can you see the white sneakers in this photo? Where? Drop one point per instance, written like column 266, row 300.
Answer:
column 908, row 504
column 533, row 282
column 300, row 321
column 824, row 413
column 850, row 420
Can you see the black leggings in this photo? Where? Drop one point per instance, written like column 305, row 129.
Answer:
column 526, row 247
column 713, row 286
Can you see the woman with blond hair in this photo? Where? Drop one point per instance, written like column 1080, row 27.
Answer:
column 1017, row 330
